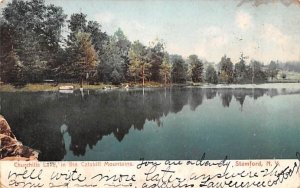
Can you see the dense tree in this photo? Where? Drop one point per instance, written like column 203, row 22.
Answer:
column 32, row 49
column 123, row 45
column 33, row 61
column 35, row 35
column 165, row 69
column 256, row 73
column 156, row 57
column 211, row 75
column 76, row 23
column 272, row 70
column 101, row 44
column 179, row 69
column 240, row 70
column 139, row 64
column 11, row 69
column 113, row 64
column 196, row 68
column 226, row 70
column 9, row 60
column 83, row 59
column 99, row 38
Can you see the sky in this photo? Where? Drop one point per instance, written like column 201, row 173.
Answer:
column 209, row 29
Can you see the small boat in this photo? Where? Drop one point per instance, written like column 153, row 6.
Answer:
column 66, row 88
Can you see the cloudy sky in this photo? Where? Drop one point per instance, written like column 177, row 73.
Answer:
column 209, row 29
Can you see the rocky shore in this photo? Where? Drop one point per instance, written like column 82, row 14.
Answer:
column 11, row 148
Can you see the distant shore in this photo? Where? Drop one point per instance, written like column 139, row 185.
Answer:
column 76, row 86
column 258, row 86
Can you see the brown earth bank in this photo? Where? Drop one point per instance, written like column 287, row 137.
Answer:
column 10, row 148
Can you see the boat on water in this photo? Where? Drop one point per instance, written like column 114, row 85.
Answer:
column 66, row 89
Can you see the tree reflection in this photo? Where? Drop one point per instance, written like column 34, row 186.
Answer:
column 179, row 99
column 36, row 118
column 210, row 93
column 226, row 96
column 240, row 96
column 196, row 98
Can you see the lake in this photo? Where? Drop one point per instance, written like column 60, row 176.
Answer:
column 165, row 123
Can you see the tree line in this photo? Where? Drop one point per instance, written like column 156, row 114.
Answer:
column 35, row 48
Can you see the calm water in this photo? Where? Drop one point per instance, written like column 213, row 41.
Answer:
column 178, row 123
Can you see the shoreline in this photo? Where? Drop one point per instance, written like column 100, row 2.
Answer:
column 50, row 87
column 55, row 87
column 255, row 86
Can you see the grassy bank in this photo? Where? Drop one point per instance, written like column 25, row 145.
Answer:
column 52, row 87
column 43, row 87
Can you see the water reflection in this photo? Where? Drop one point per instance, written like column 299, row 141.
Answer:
column 226, row 97
column 40, row 120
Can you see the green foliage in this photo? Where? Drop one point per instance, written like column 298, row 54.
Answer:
column 156, row 56
column 116, row 78
column 112, row 67
column 211, row 75
column 8, row 58
column 76, row 24
column 91, row 49
column 196, row 67
column 32, row 49
column 83, row 59
column 35, row 34
column 99, row 39
column 240, row 73
column 11, row 70
column 139, row 67
column 272, row 70
column 123, row 45
column 179, row 69
column 256, row 73
column 165, row 69
column 226, row 70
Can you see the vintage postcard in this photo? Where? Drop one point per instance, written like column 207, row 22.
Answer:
column 160, row 94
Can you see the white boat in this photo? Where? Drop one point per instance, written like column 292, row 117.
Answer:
column 66, row 87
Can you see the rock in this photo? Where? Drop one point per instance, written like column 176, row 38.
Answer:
column 7, row 145
column 11, row 148
column 25, row 151
column 5, row 128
